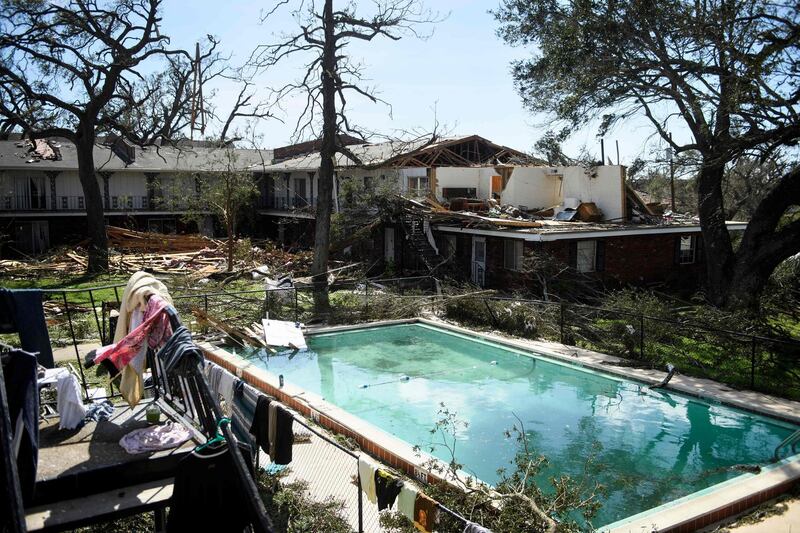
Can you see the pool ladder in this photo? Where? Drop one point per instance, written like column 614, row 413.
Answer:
column 792, row 440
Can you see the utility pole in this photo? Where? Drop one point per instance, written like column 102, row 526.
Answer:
column 671, row 176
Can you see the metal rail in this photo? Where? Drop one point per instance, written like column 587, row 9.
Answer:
column 792, row 440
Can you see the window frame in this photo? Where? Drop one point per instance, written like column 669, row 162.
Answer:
column 513, row 248
column 692, row 249
column 593, row 255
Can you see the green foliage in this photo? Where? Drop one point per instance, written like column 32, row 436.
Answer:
column 293, row 511
column 516, row 504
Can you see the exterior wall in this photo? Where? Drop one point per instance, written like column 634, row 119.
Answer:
column 628, row 260
column 478, row 178
column 543, row 187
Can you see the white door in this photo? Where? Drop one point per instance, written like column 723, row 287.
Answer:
column 388, row 244
column 478, row 260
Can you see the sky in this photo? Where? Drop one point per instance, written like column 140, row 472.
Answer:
column 460, row 75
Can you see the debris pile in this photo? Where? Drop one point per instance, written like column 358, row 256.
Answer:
column 195, row 256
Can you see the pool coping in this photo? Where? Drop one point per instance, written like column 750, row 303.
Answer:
column 689, row 513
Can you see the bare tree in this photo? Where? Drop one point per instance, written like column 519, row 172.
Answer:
column 329, row 80
column 76, row 70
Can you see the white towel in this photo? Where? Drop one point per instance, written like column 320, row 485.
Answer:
column 366, row 472
column 70, row 404
column 225, row 386
column 406, row 500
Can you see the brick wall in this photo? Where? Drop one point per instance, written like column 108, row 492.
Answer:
column 634, row 260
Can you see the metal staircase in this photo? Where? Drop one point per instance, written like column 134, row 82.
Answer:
column 414, row 227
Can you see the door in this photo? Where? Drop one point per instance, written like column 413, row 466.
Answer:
column 388, row 244
column 479, row 261
column 300, row 192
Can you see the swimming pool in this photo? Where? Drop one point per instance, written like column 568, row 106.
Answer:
column 655, row 446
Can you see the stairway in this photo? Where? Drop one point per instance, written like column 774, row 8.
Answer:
column 415, row 233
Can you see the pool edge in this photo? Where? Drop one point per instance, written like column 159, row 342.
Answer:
column 689, row 513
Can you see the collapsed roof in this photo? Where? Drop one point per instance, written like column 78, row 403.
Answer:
column 466, row 151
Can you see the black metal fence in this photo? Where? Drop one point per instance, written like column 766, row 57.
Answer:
column 739, row 358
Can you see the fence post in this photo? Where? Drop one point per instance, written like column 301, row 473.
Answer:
column 641, row 336
column 296, row 316
column 75, row 343
column 360, row 501
column 753, row 362
column 366, row 297
column 561, row 321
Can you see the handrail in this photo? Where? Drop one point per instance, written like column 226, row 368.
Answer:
column 792, row 440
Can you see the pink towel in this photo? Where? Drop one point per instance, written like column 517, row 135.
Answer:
column 155, row 330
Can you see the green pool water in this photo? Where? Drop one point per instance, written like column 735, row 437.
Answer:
column 654, row 446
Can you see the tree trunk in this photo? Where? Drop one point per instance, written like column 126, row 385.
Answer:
column 95, row 221
column 319, row 269
column 717, row 240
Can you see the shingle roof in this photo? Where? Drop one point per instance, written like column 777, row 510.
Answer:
column 150, row 159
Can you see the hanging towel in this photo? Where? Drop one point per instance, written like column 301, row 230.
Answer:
column 366, row 473
column 125, row 350
column 406, row 500
column 28, row 319
column 472, row 527
column 23, row 410
column 225, row 386
column 130, row 387
column 260, row 427
column 71, row 411
column 153, row 439
column 242, row 413
column 426, row 513
column 387, row 487
column 140, row 285
column 180, row 350
column 284, row 436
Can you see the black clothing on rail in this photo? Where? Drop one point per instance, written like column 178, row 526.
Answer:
column 19, row 372
column 260, row 426
column 387, row 487
column 207, row 494
column 284, row 437
column 27, row 319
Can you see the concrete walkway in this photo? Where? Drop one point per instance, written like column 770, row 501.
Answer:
column 330, row 474
column 67, row 353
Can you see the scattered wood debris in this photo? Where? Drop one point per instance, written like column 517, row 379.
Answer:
column 194, row 256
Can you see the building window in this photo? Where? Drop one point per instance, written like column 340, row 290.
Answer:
column 512, row 256
column 587, row 254
column 64, row 202
column 418, row 185
column 114, row 202
column 446, row 244
column 686, row 249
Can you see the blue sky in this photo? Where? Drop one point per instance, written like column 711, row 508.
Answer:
column 462, row 71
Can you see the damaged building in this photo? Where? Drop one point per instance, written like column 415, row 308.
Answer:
column 588, row 219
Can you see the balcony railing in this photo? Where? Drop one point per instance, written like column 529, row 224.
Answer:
column 281, row 202
column 78, row 203
column 23, row 203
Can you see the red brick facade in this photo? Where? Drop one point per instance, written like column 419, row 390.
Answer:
column 629, row 259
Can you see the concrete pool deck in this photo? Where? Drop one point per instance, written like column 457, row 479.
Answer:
column 686, row 514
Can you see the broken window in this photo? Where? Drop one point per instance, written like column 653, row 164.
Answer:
column 512, row 256
column 686, row 249
column 587, row 255
column 418, row 186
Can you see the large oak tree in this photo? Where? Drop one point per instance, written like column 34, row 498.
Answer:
column 725, row 70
